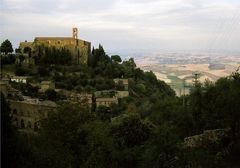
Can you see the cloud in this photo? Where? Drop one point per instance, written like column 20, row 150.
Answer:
column 127, row 24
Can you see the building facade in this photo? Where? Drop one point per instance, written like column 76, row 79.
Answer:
column 105, row 101
column 124, row 82
column 79, row 49
column 20, row 79
column 7, row 90
column 45, row 85
column 27, row 114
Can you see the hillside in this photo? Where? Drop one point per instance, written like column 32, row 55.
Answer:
column 111, row 113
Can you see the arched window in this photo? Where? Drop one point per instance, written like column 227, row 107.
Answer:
column 14, row 111
column 16, row 122
column 22, row 124
column 29, row 125
column 35, row 126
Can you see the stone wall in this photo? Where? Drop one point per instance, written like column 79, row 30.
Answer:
column 122, row 94
column 207, row 138
column 24, row 44
column 27, row 115
column 79, row 49
column 106, row 101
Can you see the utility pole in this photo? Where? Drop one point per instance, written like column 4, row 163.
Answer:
column 184, row 84
column 196, row 76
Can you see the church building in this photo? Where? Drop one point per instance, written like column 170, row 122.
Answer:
column 79, row 49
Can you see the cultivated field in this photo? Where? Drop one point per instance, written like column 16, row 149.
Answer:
column 180, row 76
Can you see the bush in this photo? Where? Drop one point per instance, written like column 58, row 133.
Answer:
column 21, row 71
column 8, row 59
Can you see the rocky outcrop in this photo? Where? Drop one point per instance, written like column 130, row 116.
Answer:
column 209, row 138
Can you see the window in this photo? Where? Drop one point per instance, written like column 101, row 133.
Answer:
column 35, row 126
column 22, row 124
column 14, row 111
column 29, row 125
column 21, row 113
column 16, row 122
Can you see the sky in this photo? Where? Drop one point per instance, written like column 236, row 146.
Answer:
column 123, row 26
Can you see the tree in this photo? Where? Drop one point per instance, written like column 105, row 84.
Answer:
column 130, row 130
column 43, row 71
column 51, row 95
column 140, row 88
column 104, row 113
column 53, row 55
column 21, row 58
column 101, row 53
column 20, row 71
column 120, row 85
column 116, row 58
column 6, row 47
column 138, row 74
column 196, row 107
column 10, row 151
column 27, row 50
column 162, row 149
column 17, row 50
column 8, row 59
column 63, row 137
column 228, row 101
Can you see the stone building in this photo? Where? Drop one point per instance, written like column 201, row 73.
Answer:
column 20, row 79
column 84, row 99
column 105, row 93
column 111, row 93
column 122, row 81
column 122, row 94
column 79, row 49
column 80, row 98
column 27, row 114
column 27, row 61
column 4, row 83
column 7, row 90
column 45, row 85
column 106, row 101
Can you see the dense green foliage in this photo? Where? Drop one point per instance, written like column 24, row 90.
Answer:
column 52, row 55
column 8, row 59
column 6, row 47
column 116, row 58
column 150, row 136
column 5, row 53
column 146, row 129
column 15, row 150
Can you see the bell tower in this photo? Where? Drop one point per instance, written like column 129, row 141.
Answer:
column 75, row 33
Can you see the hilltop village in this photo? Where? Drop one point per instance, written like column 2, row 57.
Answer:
column 32, row 95
column 65, row 103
